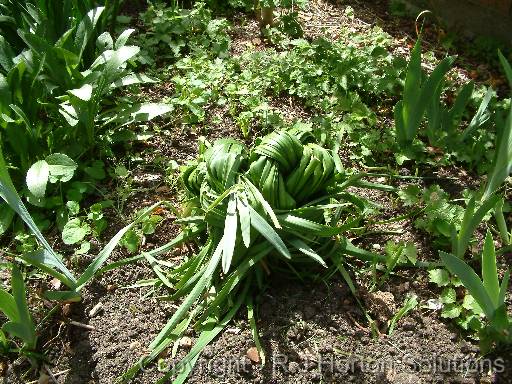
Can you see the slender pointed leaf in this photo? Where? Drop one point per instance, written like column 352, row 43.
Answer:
column 230, row 229
column 489, row 269
column 471, row 281
column 260, row 224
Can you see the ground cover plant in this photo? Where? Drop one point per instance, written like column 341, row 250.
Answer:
column 209, row 159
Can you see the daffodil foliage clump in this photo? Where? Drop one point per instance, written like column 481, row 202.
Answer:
column 275, row 208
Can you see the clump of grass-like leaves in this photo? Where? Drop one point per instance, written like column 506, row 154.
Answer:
column 281, row 206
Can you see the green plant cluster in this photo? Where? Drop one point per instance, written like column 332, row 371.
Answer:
column 58, row 83
column 281, row 205
column 172, row 32
column 331, row 78
column 283, row 202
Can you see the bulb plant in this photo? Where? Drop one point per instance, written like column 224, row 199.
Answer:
column 281, row 206
column 489, row 294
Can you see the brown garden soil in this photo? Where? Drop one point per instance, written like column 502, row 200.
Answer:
column 312, row 332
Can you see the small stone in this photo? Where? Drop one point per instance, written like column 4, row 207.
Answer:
column 376, row 246
column 135, row 345
column 186, row 342
column 56, row 284
column 253, row 355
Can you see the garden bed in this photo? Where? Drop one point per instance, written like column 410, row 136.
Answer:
column 311, row 331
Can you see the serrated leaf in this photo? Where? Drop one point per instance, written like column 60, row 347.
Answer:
column 451, row 311
column 73, row 207
column 84, row 248
column 470, row 304
column 411, row 252
column 131, row 241
column 74, row 231
column 410, row 195
column 440, row 277
column 448, row 296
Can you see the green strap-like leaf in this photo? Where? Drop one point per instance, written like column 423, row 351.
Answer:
column 245, row 219
column 98, row 262
column 230, row 229
column 489, row 269
column 296, row 223
column 8, row 306
column 25, row 320
column 506, row 67
column 503, row 289
column 471, row 281
column 471, row 221
column 502, row 164
column 162, row 340
column 481, row 117
column 307, row 250
column 261, row 225
column 86, row 28
column 185, row 366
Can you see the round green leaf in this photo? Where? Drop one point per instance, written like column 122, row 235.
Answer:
column 37, row 178
column 61, row 167
column 74, row 231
